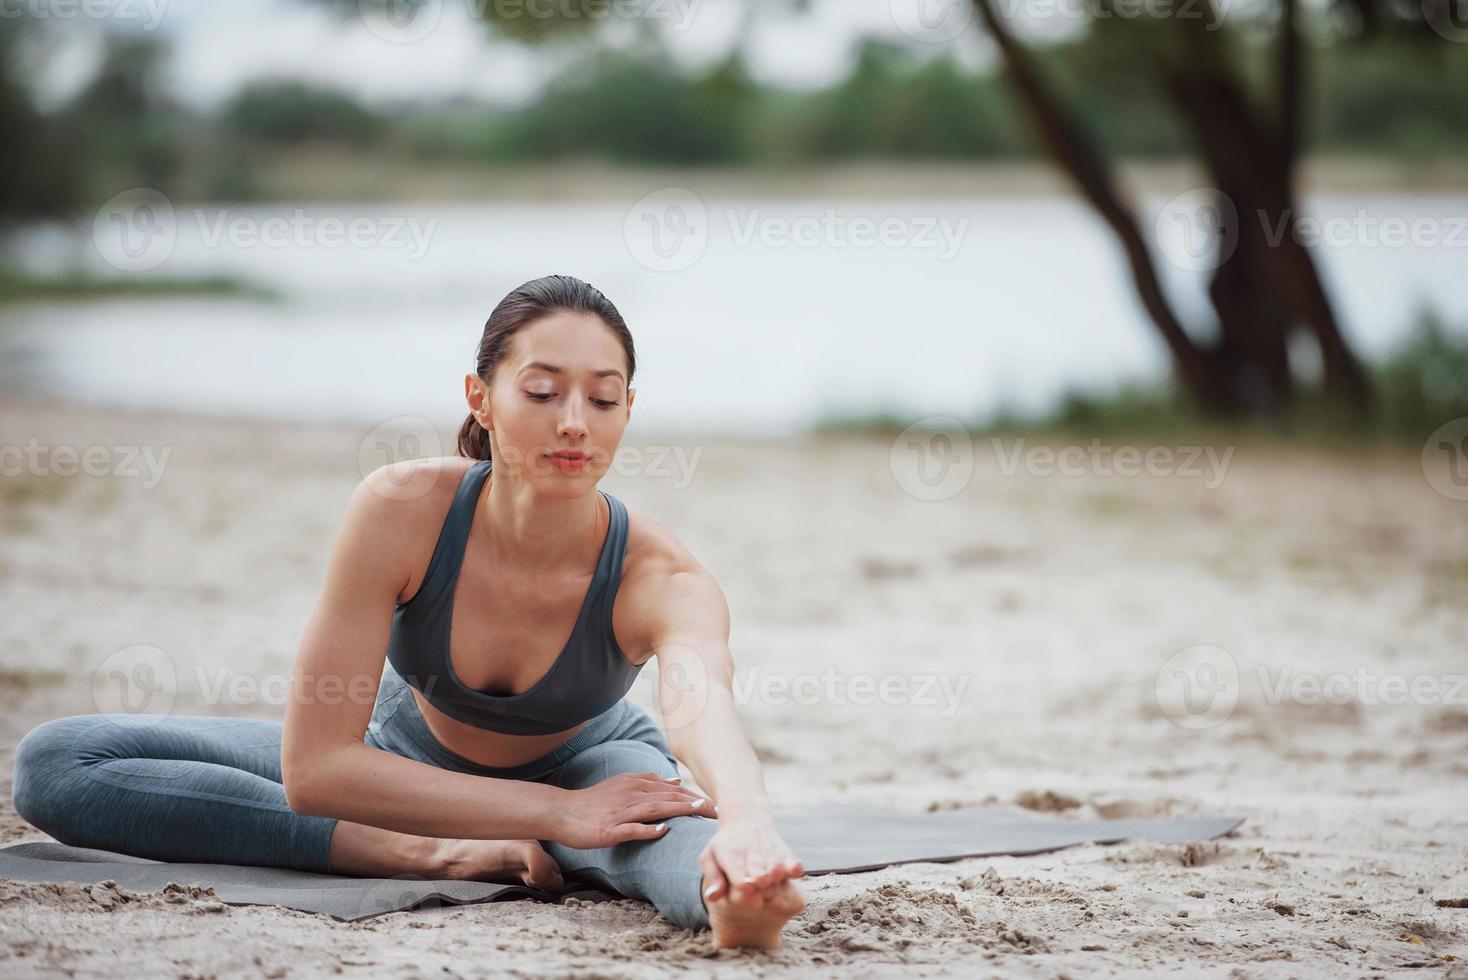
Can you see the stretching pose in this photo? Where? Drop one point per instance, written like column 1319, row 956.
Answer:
column 491, row 747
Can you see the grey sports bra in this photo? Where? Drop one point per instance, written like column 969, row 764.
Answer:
column 590, row 675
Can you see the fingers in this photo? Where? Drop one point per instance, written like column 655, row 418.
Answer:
column 715, row 885
column 668, row 807
column 638, row 831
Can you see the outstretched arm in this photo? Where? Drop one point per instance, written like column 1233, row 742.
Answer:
column 687, row 625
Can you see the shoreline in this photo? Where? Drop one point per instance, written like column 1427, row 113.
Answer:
column 1051, row 606
column 327, row 176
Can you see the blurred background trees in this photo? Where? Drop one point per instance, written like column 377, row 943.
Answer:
column 1243, row 103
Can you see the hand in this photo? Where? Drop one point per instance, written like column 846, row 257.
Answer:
column 747, row 853
column 613, row 810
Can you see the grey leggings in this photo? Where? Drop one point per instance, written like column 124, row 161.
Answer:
column 208, row 789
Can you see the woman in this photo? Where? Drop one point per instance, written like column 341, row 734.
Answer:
column 494, row 748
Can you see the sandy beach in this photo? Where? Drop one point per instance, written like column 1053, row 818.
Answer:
column 1039, row 623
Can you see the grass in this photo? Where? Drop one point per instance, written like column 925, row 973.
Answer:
column 1423, row 384
column 22, row 287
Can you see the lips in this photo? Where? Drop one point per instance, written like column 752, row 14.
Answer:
column 569, row 460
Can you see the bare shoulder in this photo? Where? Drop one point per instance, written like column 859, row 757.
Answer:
column 662, row 583
column 654, row 551
column 403, row 506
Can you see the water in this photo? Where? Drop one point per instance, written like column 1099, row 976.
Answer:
column 761, row 334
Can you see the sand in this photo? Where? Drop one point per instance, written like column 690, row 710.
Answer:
column 1048, row 605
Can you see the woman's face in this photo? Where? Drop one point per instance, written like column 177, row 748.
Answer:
column 558, row 403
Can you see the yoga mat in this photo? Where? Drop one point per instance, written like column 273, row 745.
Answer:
column 828, row 839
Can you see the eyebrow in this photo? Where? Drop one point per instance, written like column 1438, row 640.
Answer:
column 553, row 369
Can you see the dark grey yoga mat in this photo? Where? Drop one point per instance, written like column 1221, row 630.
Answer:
column 828, row 839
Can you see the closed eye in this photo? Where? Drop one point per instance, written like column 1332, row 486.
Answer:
column 542, row 396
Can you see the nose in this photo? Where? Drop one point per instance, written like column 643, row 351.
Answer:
column 571, row 425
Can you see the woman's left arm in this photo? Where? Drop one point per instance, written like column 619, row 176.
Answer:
column 686, row 622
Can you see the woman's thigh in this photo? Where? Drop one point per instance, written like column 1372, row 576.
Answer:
column 170, row 787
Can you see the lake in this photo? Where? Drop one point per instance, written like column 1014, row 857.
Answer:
column 749, row 316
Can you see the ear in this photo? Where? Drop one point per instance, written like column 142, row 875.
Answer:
column 476, row 393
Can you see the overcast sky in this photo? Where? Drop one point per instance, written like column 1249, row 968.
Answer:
column 217, row 46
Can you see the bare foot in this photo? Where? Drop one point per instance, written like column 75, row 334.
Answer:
column 500, row 860
column 754, row 916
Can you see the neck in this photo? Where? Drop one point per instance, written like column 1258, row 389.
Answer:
column 536, row 533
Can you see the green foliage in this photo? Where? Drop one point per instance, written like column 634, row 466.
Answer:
column 20, row 287
column 1424, row 383
column 285, row 112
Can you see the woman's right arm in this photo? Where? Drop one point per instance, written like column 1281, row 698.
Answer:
column 327, row 768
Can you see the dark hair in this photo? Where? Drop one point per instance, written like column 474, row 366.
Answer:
column 524, row 305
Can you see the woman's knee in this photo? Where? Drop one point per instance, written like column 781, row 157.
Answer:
column 44, row 760
column 591, row 765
